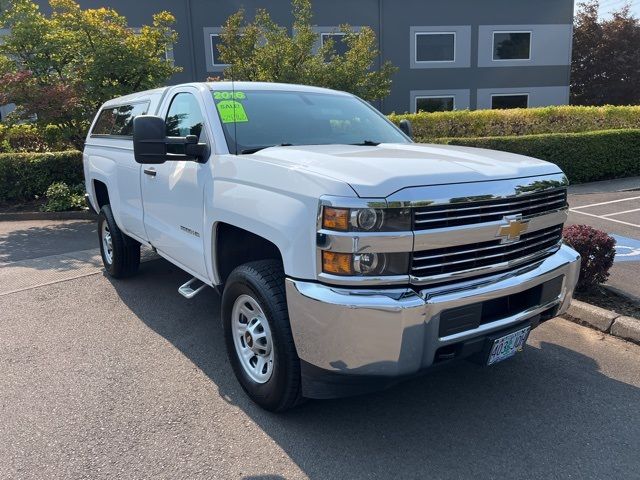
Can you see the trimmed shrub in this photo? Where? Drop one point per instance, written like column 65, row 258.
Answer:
column 531, row 121
column 27, row 137
column 584, row 157
column 597, row 250
column 61, row 197
column 24, row 176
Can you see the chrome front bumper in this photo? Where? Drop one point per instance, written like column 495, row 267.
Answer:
column 395, row 332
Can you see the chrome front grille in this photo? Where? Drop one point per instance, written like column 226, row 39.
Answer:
column 443, row 263
column 467, row 212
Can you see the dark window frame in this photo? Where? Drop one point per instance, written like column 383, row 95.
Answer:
column 214, row 51
column 524, row 94
column 432, row 97
column 333, row 34
column 493, row 45
column 449, row 33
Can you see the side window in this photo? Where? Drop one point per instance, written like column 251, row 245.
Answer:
column 118, row 121
column 123, row 124
column 184, row 118
column 105, row 122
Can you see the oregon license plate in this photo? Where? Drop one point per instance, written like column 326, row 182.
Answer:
column 508, row 346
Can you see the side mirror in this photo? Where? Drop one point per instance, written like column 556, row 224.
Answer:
column 194, row 149
column 405, row 126
column 149, row 144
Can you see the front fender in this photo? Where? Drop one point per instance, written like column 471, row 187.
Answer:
column 289, row 222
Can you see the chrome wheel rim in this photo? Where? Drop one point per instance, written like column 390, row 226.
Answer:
column 252, row 338
column 107, row 243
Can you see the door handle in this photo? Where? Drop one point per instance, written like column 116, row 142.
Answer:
column 150, row 171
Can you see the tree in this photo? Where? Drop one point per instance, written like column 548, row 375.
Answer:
column 606, row 57
column 265, row 51
column 60, row 69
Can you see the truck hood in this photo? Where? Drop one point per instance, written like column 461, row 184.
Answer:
column 384, row 169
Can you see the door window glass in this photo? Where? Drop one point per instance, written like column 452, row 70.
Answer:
column 184, row 118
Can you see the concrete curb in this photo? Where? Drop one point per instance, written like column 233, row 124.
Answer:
column 604, row 320
column 21, row 216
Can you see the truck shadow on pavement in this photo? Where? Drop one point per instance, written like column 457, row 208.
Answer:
column 547, row 413
column 46, row 239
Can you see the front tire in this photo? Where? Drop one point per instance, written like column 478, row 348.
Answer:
column 120, row 253
column 258, row 335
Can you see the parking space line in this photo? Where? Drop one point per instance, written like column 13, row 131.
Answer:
column 620, row 213
column 604, row 218
column 604, row 203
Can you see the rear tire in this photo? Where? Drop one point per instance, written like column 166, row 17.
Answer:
column 120, row 253
column 258, row 335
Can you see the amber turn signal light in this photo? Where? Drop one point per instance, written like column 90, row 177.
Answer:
column 335, row 218
column 337, row 263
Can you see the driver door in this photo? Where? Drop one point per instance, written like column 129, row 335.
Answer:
column 173, row 192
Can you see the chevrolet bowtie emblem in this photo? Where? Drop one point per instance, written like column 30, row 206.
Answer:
column 513, row 229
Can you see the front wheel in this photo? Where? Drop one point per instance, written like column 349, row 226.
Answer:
column 258, row 335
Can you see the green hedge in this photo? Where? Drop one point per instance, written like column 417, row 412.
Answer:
column 584, row 157
column 29, row 137
column 488, row 123
column 24, row 176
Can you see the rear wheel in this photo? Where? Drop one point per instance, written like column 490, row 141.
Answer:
column 258, row 335
column 120, row 253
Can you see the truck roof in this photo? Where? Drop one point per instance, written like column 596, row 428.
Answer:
column 223, row 85
column 271, row 86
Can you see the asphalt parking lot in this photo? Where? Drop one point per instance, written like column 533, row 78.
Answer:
column 126, row 379
column 617, row 213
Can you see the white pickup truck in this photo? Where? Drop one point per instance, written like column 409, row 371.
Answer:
column 348, row 257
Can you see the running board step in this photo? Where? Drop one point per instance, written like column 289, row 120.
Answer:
column 187, row 291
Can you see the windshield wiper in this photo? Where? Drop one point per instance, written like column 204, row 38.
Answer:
column 247, row 151
column 366, row 143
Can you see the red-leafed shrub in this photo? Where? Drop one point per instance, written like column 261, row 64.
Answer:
column 597, row 250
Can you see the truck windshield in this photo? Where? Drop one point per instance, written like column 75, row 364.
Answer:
column 257, row 119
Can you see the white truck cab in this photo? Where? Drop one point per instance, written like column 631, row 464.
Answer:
column 348, row 256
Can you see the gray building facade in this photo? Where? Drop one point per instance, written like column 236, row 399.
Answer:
column 455, row 54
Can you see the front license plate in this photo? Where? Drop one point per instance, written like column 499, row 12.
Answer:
column 508, row 346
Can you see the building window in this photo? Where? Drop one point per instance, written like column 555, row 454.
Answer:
column 215, row 54
column 435, row 47
column 435, row 104
column 339, row 44
column 500, row 101
column 168, row 51
column 511, row 45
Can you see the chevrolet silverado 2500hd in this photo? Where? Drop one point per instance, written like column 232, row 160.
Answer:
column 348, row 256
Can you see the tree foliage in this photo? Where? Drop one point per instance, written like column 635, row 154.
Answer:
column 60, row 69
column 606, row 57
column 262, row 50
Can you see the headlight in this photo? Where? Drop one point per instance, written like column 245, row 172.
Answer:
column 365, row 264
column 366, row 219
